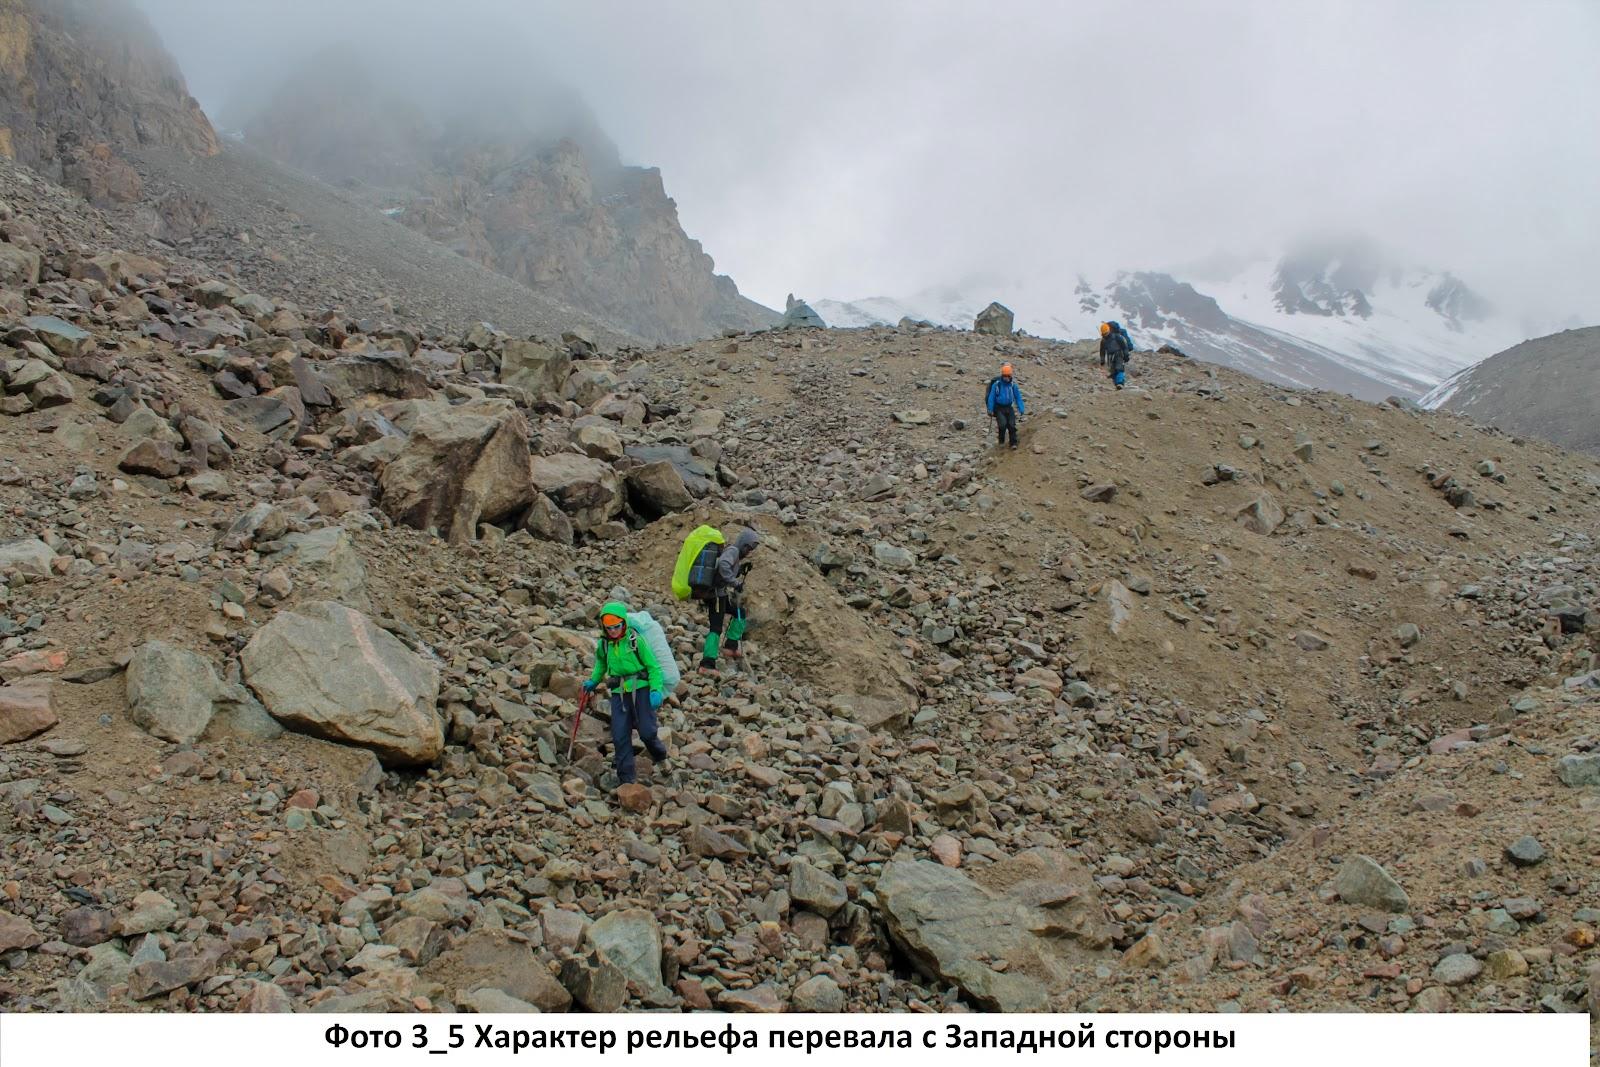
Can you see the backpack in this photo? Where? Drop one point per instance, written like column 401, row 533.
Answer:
column 642, row 622
column 696, row 569
column 988, row 392
column 1126, row 337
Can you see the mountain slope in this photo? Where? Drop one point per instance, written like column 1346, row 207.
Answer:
column 515, row 176
column 1325, row 316
column 1548, row 387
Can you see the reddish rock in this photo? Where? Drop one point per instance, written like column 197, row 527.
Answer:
column 27, row 709
column 693, row 994
column 947, row 850
column 635, row 797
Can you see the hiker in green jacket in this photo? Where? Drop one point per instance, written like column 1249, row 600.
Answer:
column 625, row 662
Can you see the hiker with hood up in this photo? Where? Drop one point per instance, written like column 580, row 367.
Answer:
column 624, row 660
column 1115, row 347
column 1004, row 401
column 724, row 604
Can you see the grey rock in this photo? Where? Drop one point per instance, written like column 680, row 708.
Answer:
column 1525, row 851
column 631, row 940
column 1579, row 769
column 171, row 692
column 816, row 889
column 1363, row 881
column 383, row 696
column 1039, row 911
column 995, row 320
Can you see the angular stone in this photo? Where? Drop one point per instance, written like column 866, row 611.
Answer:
column 383, row 696
column 28, row 555
column 995, row 320
column 460, row 468
column 631, row 940
column 586, row 489
column 1525, row 851
column 1458, row 969
column 1579, row 769
column 816, row 889
column 60, row 336
column 820, row 994
column 1262, row 515
column 1363, row 882
column 1038, row 911
column 147, row 913
column 760, row 1000
column 490, row 959
column 657, row 489
column 27, row 709
column 17, row 933
column 159, row 459
column 171, row 692
column 536, row 368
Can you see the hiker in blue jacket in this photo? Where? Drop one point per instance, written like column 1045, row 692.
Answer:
column 1004, row 401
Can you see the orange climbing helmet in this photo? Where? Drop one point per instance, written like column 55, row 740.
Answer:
column 1105, row 328
column 1005, row 371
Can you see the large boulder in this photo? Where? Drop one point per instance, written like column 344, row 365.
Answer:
column 548, row 522
column 1039, row 912
column 535, row 367
column 381, row 697
column 599, row 441
column 589, row 385
column 631, row 941
column 996, row 319
column 59, row 335
column 171, row 692
column 698, row 473
column 797, row 314
column 490, row 959
column 28, row 555
column 385, row 373
column 588, row 490
column 460, row 467
column 656, row 489
column 19, row 267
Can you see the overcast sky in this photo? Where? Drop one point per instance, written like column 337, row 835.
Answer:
column 848, row 149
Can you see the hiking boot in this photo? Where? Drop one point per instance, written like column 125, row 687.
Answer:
column 731, row 651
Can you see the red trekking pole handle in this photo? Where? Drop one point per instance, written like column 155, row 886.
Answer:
column 583, row 702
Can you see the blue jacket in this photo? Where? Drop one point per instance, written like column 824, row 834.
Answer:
column 1004, row 394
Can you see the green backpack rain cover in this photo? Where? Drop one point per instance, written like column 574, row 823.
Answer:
column 692, row 547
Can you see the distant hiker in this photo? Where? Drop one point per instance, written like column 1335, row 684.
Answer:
column 1115, row 347
column 724, row 600
column 1004, row 401
column 630, row 668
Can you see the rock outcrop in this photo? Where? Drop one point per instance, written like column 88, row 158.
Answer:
column 80, row 80
column 551, row 206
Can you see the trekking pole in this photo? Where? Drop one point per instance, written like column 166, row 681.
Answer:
column 583, row 702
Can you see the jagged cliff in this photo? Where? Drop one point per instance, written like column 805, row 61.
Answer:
column 81, row 80
column 518, row 178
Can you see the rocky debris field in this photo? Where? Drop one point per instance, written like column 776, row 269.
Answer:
column 1211, row 694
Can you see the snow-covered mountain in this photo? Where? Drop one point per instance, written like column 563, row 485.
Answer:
column 1329, row 316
